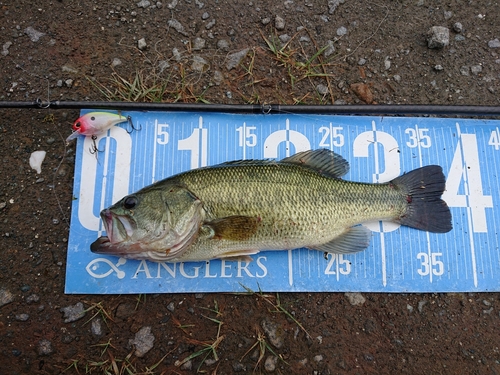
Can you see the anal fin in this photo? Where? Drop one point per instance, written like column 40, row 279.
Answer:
column 352, row 240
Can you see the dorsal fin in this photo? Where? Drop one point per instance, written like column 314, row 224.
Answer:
column 324, row 161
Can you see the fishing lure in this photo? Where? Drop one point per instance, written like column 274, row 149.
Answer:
column 96, row 123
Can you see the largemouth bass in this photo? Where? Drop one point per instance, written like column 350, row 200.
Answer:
column 236, row 209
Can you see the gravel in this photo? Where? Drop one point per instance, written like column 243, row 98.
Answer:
column 235, row 58
column 495, row 43
column 45, row 347
column 438, row 37
column 274, row 333
column 6, row 297
column 33, row 34
column 73, row 313
column 355, row 299
column 143, row 341
column 279, row 23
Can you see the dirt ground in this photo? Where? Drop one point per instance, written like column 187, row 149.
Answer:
column 68, row 50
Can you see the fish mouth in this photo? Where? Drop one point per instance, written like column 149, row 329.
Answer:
column 118, row 228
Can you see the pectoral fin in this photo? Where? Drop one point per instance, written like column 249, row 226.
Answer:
column 351, row 241
column 233, row 228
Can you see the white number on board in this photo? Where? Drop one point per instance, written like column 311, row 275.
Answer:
column 466, row 171
column 331, row 136
column 162, row 135
column 430, row 263
column 337, row 265
column 418, row 137
column 246, row 136
column 495, row 139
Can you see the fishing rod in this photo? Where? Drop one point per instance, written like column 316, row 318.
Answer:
column 348, row 109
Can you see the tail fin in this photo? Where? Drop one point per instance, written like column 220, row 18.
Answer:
column 423, row 188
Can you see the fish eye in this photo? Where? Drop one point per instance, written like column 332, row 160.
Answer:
column 92, row 118
column 130, row 202
column 77, row 124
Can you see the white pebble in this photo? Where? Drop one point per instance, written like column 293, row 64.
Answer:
column 36, row 160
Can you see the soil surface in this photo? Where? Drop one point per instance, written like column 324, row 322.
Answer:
column 342, row 51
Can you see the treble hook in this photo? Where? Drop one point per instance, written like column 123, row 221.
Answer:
column 93, row 149
column 131, row 124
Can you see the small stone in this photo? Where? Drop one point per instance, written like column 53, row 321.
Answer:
column 218, row 78
column 270, row 363
column 285, row 38
column 330, row 48
column 341, row 31
column 362, row 90
column 33, row 34
column 464, row 70
column 322, row 89
column 143, row 4
column 279, row 23
column 387, row 63
column 438, row 37
column 318, row 358
column 116, row 61
column 143, row 341
column 73, row 313
column 355, row 299
column 198, row 44
column 421, row 305
column 205, row 16
column 25, row 288
column 476, row 69
column 495, row 43
column 22, row 317
column 96, row 327
column 199, row 64
column 397, row 78
column 33, row 298
column 69, row 69
column 234, row 59
column 171, row 307
column 210, row 24
column 187, row 366
column 141, row 44
column 409, row 308
column 5, row 48
column 333, row 4
column 459, row 38
column 201, row 295
column 176, row 54
column 68, row 82
column 438, row 68
column 458, row 27
column 486, row 302
column 45, row 347
column 6, row 297
column 238, row 366
column 162, row 65
column 177, row 26
column 223, row 44
column 448, row 14
column 173, row 4
column 265, row 21
column 274, row 333
column 361, row 61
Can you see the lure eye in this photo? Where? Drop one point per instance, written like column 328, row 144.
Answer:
column 78, row 124
column 92, row 118
column 130, row 202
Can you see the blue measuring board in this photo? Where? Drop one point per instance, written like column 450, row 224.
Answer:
column 399, row 259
